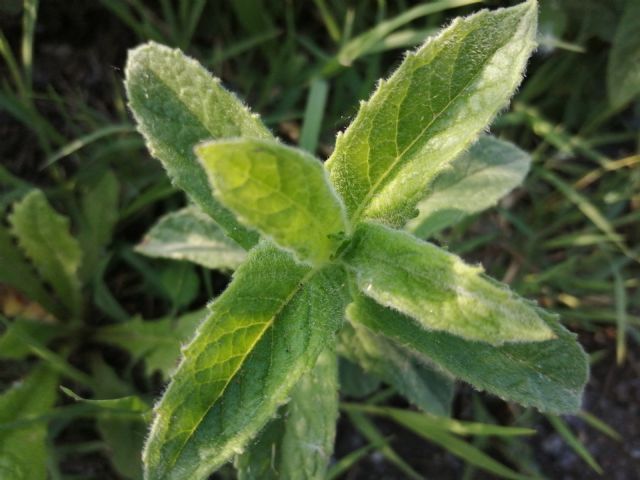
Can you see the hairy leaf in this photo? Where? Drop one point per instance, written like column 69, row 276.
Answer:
column 438, row 289
column 23, row 451
column 429, row 111
column 547, row 375
column 298, row 444
column 190, row 234
column 281, row 191
column 44, row 236
column 408, row 373
column 262, row 334
column 623, row 70
column 477, row 179
column 178, row 104
column 157, row 342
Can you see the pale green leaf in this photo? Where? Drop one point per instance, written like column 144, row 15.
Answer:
column 623, row 69
column 178, row 104
column 547, row 375
column 157, row 342
column 23, row 451
column 43, row 234
column 262, row 334
column 190, row 234
column 298, row 444
column 281, row 191
column 477, row 179
column 438, row 289
column 407, row 373
column 17, row 273
column 429, row 111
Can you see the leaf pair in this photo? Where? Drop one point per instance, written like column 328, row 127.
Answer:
column 326, row 242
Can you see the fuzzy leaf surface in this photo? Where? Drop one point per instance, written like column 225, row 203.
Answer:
column 623, row 69
column 547, row 375
column 438, row 289
column 477, row 179
column 178, row 104
column 190, row 234
column 282, row 192
column 299, row 443
column 43, row 234
column 23, row 451
column 429, row 111
column 262, row 334
column 408, row 373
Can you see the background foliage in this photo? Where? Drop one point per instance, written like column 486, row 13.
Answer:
column 568, row 237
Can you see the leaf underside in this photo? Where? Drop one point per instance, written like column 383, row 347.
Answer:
column 477, row 179
column 438, row 289
column 547, row 375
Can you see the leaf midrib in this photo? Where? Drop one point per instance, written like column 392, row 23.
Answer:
column 374, row 188
column 301, row 284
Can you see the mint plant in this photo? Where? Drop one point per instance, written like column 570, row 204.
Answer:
column 332, row 265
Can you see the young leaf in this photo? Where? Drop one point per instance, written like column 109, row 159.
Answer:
column 190, row 234
column 407, row 373
column 281, row 191
column 438, row 289
column 477, row 179
column 298, row 444
column 178, row 104
column 547, row 375
column 23, row 452
column 623, row 69
column 44, row 236
column 429, row 111
column 262, row 334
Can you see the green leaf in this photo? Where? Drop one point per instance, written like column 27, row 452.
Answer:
column 438, row 289
column 281, row 191
column 425, row 421
column 477, row 179
column 157, row 342
column 23, row 451
column 178, row 104
column 262, row 334
column 12, row 343
column 429, row 111
column 298, row 444
column 547, row 375
column 354, row 381
column 190, row 234
column 623, row 69
column 181, row 282
column 407, row 373
column 99, row 217
column 17, row 272
column 43, row 234
column 129, row 404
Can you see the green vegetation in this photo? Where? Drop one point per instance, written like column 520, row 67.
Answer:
column 346, row 277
